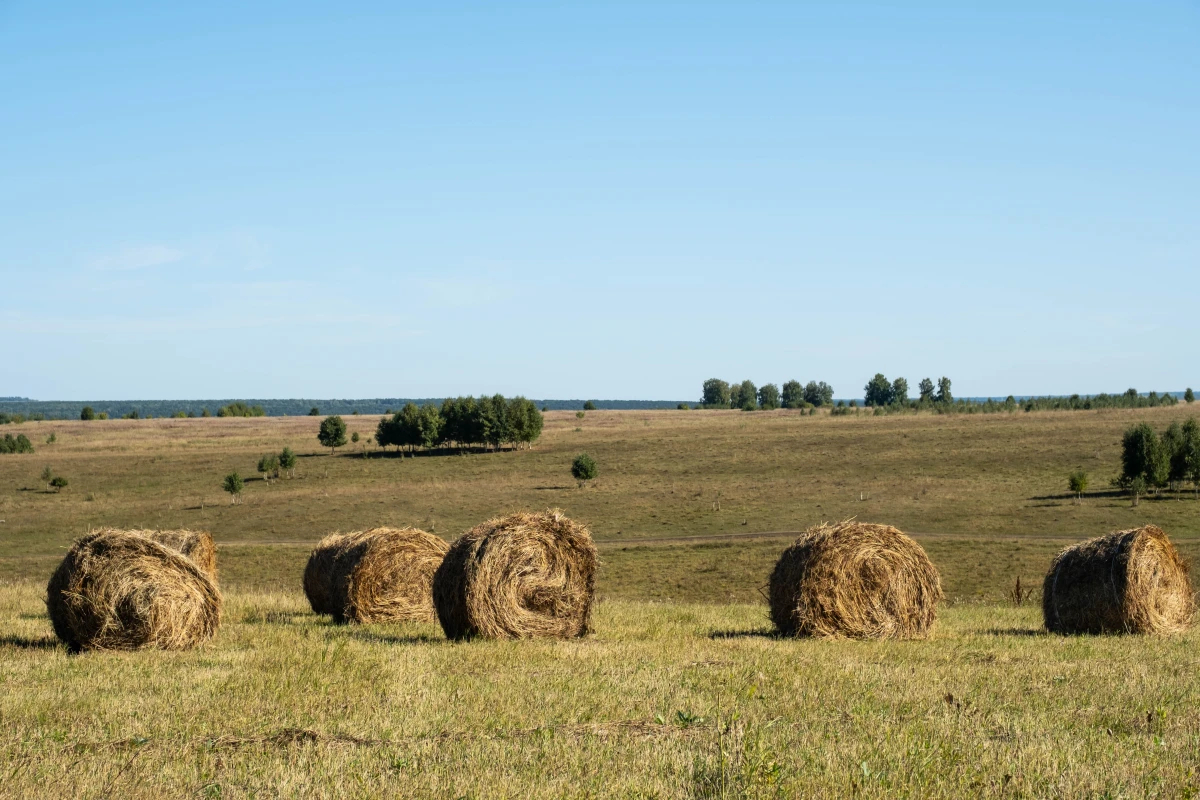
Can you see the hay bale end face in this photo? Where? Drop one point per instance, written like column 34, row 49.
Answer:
column 518, row 577
column 386, row 575
column 1126, row 582
column 318, row 573
column 120, row 591
column 855, row 580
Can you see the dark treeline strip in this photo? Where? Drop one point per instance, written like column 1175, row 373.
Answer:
column 117, row 409
column 462, row 423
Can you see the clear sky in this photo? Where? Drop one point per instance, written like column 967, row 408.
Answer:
column 610, row 200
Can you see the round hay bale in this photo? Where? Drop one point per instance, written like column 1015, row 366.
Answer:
column 518, row 577
column 855, row 580
column 386, row 575
column 318, row 573
column 196, row 545
column 1126, row 582
column 120, row 591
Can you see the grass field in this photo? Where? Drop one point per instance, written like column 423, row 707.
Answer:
column 986, row 494
column 681, row 693
column 664, row 701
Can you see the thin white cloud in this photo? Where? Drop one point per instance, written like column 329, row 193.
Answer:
column 141, row 257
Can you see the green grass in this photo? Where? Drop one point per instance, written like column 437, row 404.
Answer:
column 666, row 700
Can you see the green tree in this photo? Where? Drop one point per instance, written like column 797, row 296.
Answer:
column 583, row 468
column 87, row 414
column 58, row 483
column 204, row 412
column 332, row 433
column 943, row 391
column 793, row 395
column 1174, row 448
column 818, row 394
column 1189, row 396
column 900, row 391
column 744, row 396
column 314, row 412
column 233, row 484
column 925, row 387
column 589, row 406
column 1077, row 481
column 524, row 421
column 1142, row 456
column 429, row 421
column 716, row 394
column 287, row 462
column 354, row 437
column 1191, row 449
column 268, row 466
column 878, row 391
column 768, row 396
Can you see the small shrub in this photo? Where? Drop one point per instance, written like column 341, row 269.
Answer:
column 579, row 415
column 589, row 406
column 314, row 412
column 584, row 468
column 87, row 414
column 58, row 483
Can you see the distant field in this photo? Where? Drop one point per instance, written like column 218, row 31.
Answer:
column 985, row 494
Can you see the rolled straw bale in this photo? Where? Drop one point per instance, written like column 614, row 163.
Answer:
column 1131, row 581
column 516, row 577
column 196, row 545
column 855, row 580
column 120, row 591
column 318, row 573
column 386, row 575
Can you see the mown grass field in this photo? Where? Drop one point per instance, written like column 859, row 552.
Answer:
column 681, row 692
column 663, row 701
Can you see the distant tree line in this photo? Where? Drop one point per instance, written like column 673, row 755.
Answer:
column 240, row 409
column 17, row 419
column 717, row 393
column 463, row 423
column 1153, row 462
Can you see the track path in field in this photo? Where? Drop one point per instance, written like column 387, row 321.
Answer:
column 697, row 539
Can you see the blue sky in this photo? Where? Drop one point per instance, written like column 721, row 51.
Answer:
column 612, row 200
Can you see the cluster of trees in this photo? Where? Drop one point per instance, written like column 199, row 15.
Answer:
column 54, row 483
column 273, row 465
column 717, row 393
column 16, row 444
column 240, row 409
column 880, row 392
column 463, row 422
column 1150, row 461
column 17, row 419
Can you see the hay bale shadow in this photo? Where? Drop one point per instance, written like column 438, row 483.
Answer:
column 1016, row 632
column 753, row 633
column 384, row 638
column 30, row 643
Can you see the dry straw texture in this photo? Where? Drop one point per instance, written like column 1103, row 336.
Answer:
column 196, row 545
column 318, row 573
column 1126, row 582
column 120, row 591
column 517, row 577
column 855, row 580
column 386, row 575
